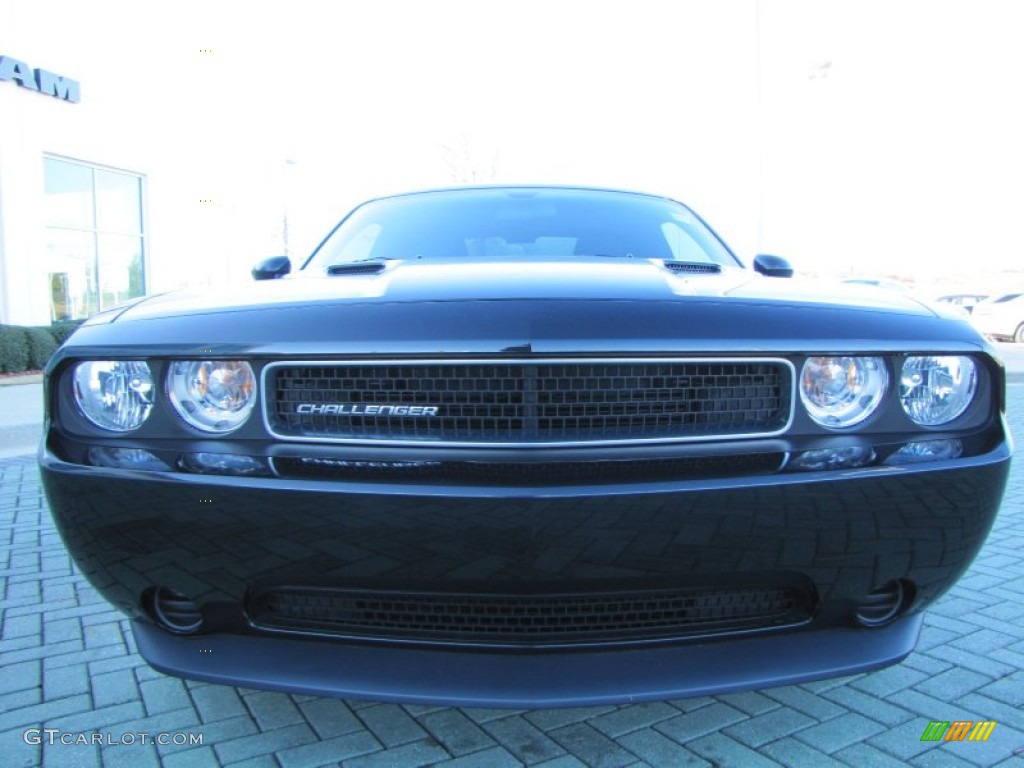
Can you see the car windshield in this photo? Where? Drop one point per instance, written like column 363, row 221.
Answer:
column 496, row 224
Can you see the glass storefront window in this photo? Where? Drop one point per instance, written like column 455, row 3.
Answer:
column 120, row 268
column 95, row 242
column 118, row 202
column 71, row 263
column 69, row 195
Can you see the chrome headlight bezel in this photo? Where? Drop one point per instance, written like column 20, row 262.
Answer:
column 114, row 395
column 213, row 396
column 842, row 391
column 936, row 390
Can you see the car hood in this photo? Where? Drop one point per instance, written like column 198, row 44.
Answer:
column 557, row 307
column 497, row 281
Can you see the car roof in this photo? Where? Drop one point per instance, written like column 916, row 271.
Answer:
column 484, row 188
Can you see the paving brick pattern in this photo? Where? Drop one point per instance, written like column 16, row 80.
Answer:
column 68, row 661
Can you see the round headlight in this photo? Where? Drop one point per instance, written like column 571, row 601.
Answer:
column 212, row 395
column 116, row 395
column 935, row 390
column 842, row 391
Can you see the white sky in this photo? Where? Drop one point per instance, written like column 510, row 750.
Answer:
column 904, row 153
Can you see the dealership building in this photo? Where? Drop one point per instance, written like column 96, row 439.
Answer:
column 73, row 207
column 114, row 180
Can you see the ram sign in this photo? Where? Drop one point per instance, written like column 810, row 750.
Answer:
column 40, row 80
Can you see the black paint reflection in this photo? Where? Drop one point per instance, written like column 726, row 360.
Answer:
column 215, row 541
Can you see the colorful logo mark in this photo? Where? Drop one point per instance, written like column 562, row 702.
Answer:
column 958, row 730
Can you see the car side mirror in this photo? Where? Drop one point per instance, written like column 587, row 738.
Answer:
column 272, row 268
column 772, row 266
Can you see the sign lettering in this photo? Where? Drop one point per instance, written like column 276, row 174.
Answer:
column 40, row 80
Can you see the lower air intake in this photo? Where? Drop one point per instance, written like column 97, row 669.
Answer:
column 513, row 619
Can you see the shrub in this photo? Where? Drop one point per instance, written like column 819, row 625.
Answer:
column 14, row 350
column 41, row 345
column 23, row 349
column 62, row 329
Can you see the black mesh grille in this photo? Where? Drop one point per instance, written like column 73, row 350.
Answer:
column 505, row 619
column 543, row 402
column 550, row 473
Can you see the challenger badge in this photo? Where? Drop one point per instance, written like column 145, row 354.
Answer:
column 365, row 409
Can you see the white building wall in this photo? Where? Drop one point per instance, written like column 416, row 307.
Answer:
column 33, row 125
column 138, row 113
column 21, row 228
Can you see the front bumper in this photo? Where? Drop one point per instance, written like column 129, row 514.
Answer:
column 219, row 540
column 536, row 680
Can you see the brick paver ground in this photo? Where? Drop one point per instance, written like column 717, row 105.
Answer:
column 68, row 662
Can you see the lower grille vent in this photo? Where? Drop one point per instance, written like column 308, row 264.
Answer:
column 530, row 474
column 513, row 619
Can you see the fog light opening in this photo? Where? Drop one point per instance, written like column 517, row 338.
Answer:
column 174, row 611
column 885, row 604
column 222, row 464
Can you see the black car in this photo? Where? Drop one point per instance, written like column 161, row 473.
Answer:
column 524, row 447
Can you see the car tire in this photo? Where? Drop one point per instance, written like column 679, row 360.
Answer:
column 1018, row 336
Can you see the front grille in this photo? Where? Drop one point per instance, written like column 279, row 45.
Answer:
column 528, row 402
column 527, row 474
column 513, row 619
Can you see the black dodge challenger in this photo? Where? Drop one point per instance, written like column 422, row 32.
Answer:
column 524, row 447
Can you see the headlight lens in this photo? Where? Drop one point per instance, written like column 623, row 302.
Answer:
column 935, row 390
column 840, row 392
column 116, row 395
column 212, row 395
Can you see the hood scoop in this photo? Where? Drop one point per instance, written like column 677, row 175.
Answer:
column 692, row 267
column 374, row 268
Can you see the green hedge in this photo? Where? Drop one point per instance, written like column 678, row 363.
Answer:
column 28, row 349
column 41, row 344
column 63, row 329
column 13, row 348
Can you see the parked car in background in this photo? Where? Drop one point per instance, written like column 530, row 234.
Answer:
column 966, row 301
column 524, row 447
column 1001, row 317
